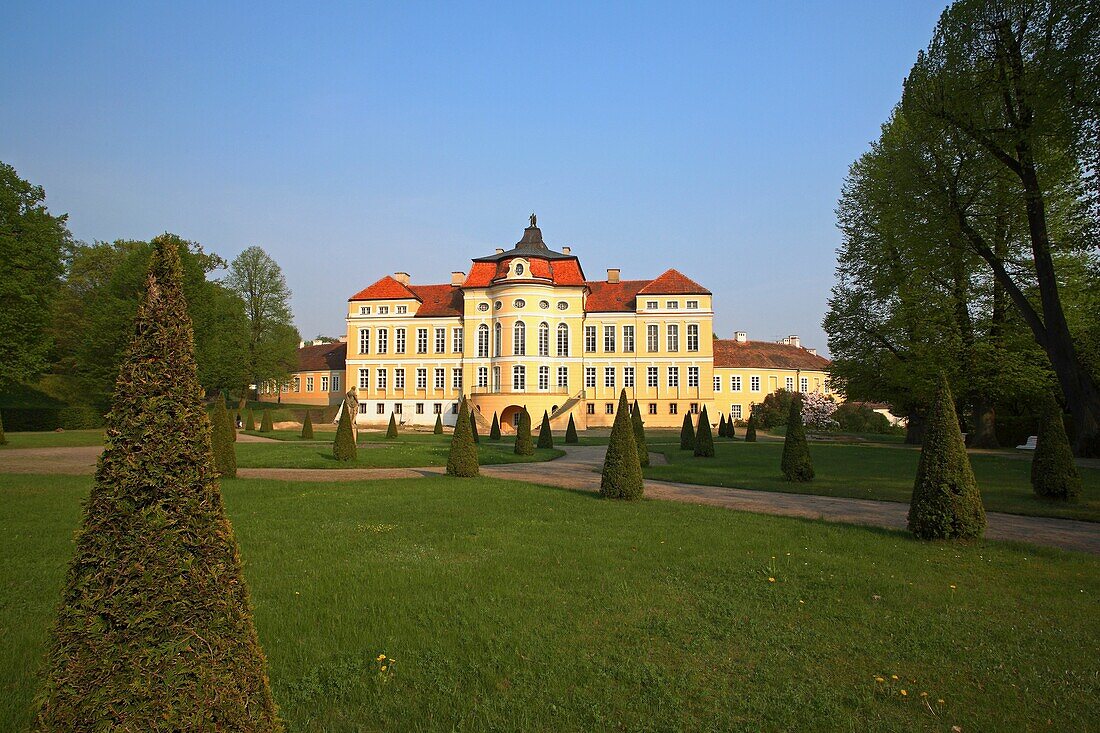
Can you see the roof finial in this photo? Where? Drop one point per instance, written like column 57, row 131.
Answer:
column 533, row 219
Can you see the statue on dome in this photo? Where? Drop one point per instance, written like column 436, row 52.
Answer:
column 533, row 219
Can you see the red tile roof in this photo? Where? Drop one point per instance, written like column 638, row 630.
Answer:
column 385, row 289
column 673, row 282
column 765, row 355
column 438, row 300
column 605, row 297
column 322, row 357
column 559, row 271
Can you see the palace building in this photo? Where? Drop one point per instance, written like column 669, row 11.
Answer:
column 526, row 328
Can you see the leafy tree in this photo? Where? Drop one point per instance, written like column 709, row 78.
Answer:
column 343, row 446
column 221, row 437
column 33, row 243
column 273, row 339
column 571, row 432
column 473, row 428
column 946, row 503
column 622, row 470
column 687, row 434
column 854, row 417
column 704, row 439
column 546, row 435
column 773, row 411
column 265, row 422
column 463, row 459
column 438, row 429
column 750, row 429
column 494, row 431
column 1053, row 472
column 796, row 464
column 524, row 446
column 156, row 566
column 391, row 429
column 250, row 421
column 307, row 427
column 639, row 434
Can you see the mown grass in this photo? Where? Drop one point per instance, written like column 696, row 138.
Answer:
column 514, row 607
column 405, row 451
column 63, row 439
column 869, row 471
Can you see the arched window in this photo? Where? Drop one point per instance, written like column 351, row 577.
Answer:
column 563, row 340
column 519, row 378
column 497, row 339
column 519, row 339
column 483, row 341
column 544, row 339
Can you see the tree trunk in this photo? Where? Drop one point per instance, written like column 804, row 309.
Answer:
column 983, row 434
column 914, row 428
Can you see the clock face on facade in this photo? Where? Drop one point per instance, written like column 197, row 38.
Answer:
column 562, row 305
column 483, row 307
column 519, row 302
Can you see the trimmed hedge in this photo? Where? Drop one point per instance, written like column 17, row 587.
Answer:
column 31, row 419
column 1054, row 474
column 250, row 421
column 546, row 436
column 622, row 472
column 571, row 432
column 796, row 464
column 343, row 445
column 494, row 431
column 750, row 429
column 946, row 503
column 473, row 427
column 639, row 435
column 307, row 427
column 462, row 460
column 721, row 425
column 524, row 446
column 221, row 436
column 687, row 434
column 438, row 429
column 704, row 439
column 265, row 423
column 391, row 429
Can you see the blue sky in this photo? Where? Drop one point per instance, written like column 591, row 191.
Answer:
column 354, row 140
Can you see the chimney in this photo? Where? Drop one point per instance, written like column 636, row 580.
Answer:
column 794, row 341
column 500, row 250
column 301, row 344
column 740, row 337
column 401, row 277
column 457, row 278
column 813, row 352
column 613, row 274
column 566, row 250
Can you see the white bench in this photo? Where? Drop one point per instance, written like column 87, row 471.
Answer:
column 1030, row 444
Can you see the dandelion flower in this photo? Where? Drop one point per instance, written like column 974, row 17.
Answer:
column 952, row 587
column 879, row 679
column 924, row 694
column 940, row 701
column 893, row 676
column 771, row 580
column 380, row 657
column 383, row 668
column 904, row 693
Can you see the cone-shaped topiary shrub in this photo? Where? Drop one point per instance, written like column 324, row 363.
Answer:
column 233, row 424
column 438, row 429
column 391, row 429
column 731, row 429
column 721, row 425
column 3, row 439
column 750, row 429
column 473, row 428
column 265, row 423
column 1053, row 473
column 796, row 464
column 307, row 427
column 639, row 435
column 571, row 432
column 524, row 447
column 250, row 421
column 221, row 438
column 462, row 460
column 494, row 430
column 546, row 437
column 946, row 503
column 622, row 471
column 687, row 434
column 155, row 631
column 343, row 446
column 704, row 438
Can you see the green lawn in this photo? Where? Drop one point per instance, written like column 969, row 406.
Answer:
column 515, row 607
column 409, row 450
column 64, row 439
column 869, row 471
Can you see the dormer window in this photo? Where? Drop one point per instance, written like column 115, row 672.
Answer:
column 518, row 268
column 693, row 304
column 651, row 305
column 364, row 310
column 402, row 309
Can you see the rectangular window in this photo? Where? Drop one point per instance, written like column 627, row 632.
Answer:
column 673, row 334
column 628, row 377
column 399, row 341
column 590, row 339
column 422, row 341
column 693, row 337
column 401, row 310
column 754, row 383
column 383, row 340
column 717, row 383
column 694, row 408
column 454, row 408
column 440, row 379
column 397, row 408
column 421, row 378
column 364, row 310
column 693, row 376
column 693, row 305
column 324, row 384
column 674, row 376
column 380, row 379
column 496, row 379
column 652, row 408
column 563, row 377
column 362, row 408
column 456, row 340
column 735, row 412
column 519, row 378
column 628, row 339
column 380, row 408
column 483, row 342
column 309, row 384
column 364, row 340
column 419, row 408
column 544, row 378
column 590, row 376
column 672, row 408
column 789, row 384
column 651, row 305
column 440, row 340
column 672, row 304
column 609, row 408
column 735, row 383
column 590, row 408
column 399, row 378
column 296, row 384
column 652, row 338
column 437, row 408
column 563, row 340
column 335, row 382
column 456, row 379
column 482, row 377
column 609, row 339
column 805, row 384
column 651, row 376
column 609, row 376
column 383, row 310
column 364, row 379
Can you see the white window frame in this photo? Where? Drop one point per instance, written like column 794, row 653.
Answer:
column 399, row 341
column 652, row 338
column 383, row 340
column 364, row 378
column 590, row 377
column 422, row 378
column 563, row 339
column 456, row 379
column 563, row 377
column 458, row 339
column 380, row 379
column 609, row 377
column 672, row 337
column 651, row 377
column 735, row 383
column 439, row 380
column 754, row 383
column 483, row 377
column 483, row 341
column 735, row 412
column 399, row 378
column 519, row 339
column 609, row 339
column 628, row 377
column 441, row 340
column 544, row 378
column 590, row 339
column 422, row 341
column 693, row 337
column 324, row 383
column 364, row 340
column 544, row 339
column 693, row 376
column 628, row 339
column 519, row 378
column 673, row 377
